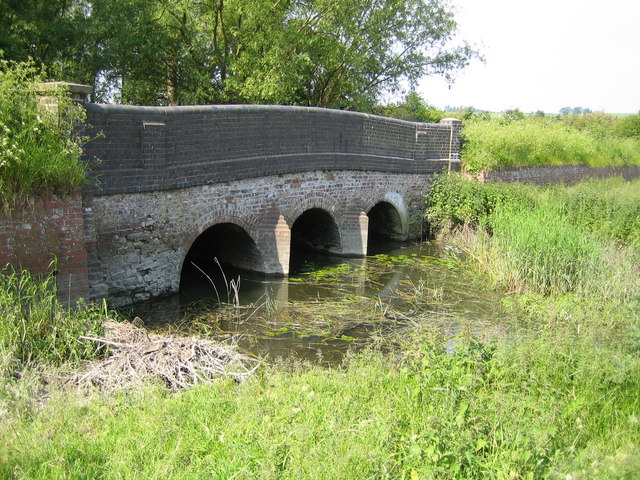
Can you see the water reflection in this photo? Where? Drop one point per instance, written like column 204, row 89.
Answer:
column 328, row 304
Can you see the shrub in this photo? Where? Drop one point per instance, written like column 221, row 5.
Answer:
column 628, row 126
column 39, row 148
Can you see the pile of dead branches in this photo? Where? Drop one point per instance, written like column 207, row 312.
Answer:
column 136, row 356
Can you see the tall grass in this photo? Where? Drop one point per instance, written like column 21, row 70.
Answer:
column 542, row 408
column 547, row 239
column 498, row 143
column 541, row 249
column 35, row 328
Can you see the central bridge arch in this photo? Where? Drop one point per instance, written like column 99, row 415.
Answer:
column 316, row 230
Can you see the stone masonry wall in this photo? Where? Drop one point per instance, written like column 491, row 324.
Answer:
column 33, row 235
column 142, row 149
column 138, row 242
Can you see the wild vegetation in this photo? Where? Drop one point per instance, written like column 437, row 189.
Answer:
column 40, row 148
column 36, row 329
column 330, row 53
column 557, row 395
column 513, row 141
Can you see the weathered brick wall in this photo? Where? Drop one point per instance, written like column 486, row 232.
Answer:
column 559, row 174
column 33, row 235
column 157, row 148
column 138, row 242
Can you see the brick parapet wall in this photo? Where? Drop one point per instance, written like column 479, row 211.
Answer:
column 559, row 174
column 140, row 149
column 48, row 228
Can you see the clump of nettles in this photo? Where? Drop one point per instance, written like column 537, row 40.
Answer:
column 40, row 147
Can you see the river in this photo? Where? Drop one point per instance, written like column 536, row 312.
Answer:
column 330, row 304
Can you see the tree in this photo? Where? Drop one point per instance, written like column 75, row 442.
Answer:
column 413, row 108
column 338, row 53
column 46, row 32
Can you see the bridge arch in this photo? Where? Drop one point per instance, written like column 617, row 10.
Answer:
column 388, row 216
column 219, row 247
column 313, row 200
column 316, row 229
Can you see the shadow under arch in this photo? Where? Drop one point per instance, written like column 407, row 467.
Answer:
column 220, row 248
column 315, row 230
column 385, row 222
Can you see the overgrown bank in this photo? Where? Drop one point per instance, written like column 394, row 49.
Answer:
column 558, row 396
column 40, row 148
column 597, row 140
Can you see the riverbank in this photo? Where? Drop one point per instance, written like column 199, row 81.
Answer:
column 558, row 396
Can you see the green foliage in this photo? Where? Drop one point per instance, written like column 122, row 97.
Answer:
column 36, row 329
column 628, row 126
column 454, row 201
column 414, row 108
column 609, row 209
column 528, row 407
column 48, row 32
column 331, row 53
column 541, row 249
column 533, row 141
column 39, row 148
column 513, row 114
column 547, row 239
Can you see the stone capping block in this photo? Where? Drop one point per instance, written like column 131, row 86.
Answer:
column 78, row 92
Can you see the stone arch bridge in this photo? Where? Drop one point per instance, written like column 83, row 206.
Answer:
column 246, row 184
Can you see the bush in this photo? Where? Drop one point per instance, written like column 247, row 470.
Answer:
column 628, row 126
column 39, row 148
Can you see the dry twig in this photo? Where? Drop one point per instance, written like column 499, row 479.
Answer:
column 136, row 356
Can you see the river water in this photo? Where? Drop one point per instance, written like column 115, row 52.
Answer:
column 330, row 304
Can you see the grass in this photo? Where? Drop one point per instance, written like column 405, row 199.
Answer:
column 35, row 328
column 527, row 410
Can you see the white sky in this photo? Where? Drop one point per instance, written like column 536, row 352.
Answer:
column 545, row 55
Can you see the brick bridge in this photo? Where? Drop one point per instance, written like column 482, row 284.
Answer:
column 174, row 186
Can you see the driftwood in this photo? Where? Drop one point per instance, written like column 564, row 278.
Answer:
column 136, row 356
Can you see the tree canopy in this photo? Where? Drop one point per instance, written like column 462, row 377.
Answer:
column 330, row 53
